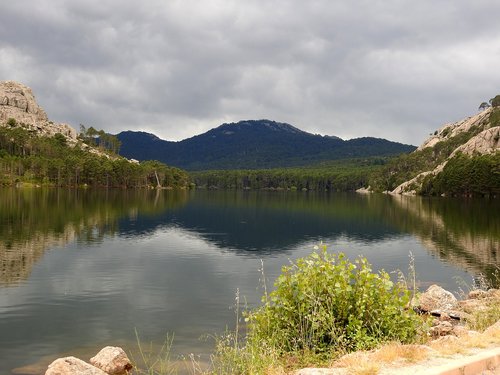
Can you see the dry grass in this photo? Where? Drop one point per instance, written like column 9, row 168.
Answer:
column 358, row 363
column 450, row 345
column 396, row 352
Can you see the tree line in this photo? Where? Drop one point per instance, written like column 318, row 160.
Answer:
column 28, row 157
column 346, row 175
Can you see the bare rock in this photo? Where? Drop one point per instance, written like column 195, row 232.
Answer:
column 442, row 329
column 477, row 294
column 72, row 366
column 112, row 360
column 18, row 102
column 494, row 293
column 461, row 331
column 472, row 305
column 493, row 330
column 436, row 298
column 445, row 340
column 488, row 141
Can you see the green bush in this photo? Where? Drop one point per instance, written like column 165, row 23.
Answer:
column 11, row 122
column 323, row 303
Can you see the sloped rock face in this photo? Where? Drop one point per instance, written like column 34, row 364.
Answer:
column 18, row 102
column 486, row 142
column 453, row 129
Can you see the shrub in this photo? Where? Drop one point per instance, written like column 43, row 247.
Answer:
column 324, row 303
column 11, row 122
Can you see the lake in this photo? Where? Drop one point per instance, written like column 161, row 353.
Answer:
column 82, row 269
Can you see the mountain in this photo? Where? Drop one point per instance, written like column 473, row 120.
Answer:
column 460, row 158
column 253, row 144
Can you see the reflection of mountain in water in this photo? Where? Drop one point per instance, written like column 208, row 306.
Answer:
column 466, row 233
column 463, row 232
column 270, row 221
column 32, row 221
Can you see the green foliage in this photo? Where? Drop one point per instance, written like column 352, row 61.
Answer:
column 26, row 157
column 253, row 145
column 344, row 175
column 324, row 303
column 485, row 318
column 495, row 117
column 99, row 139
column 11, row 122
column 407, row 166
column 464, row 175
column 495, row 102
column 483, row 106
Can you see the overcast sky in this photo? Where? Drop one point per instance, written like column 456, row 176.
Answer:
column 394, row 69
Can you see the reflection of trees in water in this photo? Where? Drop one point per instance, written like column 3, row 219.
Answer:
column 33, row 220
column 460, row 231
column 463, row 232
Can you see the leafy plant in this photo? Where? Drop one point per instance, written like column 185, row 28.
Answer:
column 325, row 303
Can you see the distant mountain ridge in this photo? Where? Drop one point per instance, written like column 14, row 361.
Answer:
column 253, row 144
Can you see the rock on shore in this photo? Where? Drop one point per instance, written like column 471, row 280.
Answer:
column 110, row 360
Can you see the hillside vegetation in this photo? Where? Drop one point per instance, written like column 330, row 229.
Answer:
column 459, row 159
column 340, row 175
column 26, row 157
column 254, row 144
column 38, row 151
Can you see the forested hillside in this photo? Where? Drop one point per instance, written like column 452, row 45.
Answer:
column 253, row 144
column 30, row 158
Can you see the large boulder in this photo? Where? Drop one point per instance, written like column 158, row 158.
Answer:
column 72, row 366
column 112, row 360
column 436, row 298
column 18, row 102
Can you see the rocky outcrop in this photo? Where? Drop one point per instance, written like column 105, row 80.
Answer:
column 453, row 129
column 17, row 102
column 486, row 142
column 109, row 361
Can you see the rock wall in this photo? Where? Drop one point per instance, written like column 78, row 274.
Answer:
column 450, row 130
column 18, row 102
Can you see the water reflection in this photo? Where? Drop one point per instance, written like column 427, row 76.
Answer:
column 460, row 231
column 463, row 232
column 34, row 220
column 163, row 261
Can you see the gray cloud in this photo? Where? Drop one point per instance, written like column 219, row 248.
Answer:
column 392, row 69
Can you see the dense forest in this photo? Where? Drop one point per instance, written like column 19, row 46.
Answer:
column 26, row 157
column 462, row 175
column 341, row 175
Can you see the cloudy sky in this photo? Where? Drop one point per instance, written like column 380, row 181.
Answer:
column 395, row 69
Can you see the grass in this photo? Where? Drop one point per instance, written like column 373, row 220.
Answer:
column 484, row 318
column 152, row 361
column 285, row 333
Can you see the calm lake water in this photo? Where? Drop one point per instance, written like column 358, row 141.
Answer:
column 80, row 270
